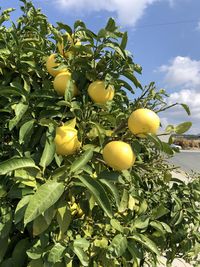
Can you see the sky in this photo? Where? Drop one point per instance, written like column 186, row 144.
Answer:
column 163, row 36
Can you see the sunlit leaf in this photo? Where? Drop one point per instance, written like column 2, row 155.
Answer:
column 46, row 195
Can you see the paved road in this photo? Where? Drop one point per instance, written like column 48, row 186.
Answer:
column 187, row 160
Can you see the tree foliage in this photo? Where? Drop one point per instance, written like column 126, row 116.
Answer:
column 74, row 210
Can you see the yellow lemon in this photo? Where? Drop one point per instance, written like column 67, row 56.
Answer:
column 60, row 83
column 66, row 140
column 143, row 121
column 118, row 155
column 99, row 93
column 51, row 64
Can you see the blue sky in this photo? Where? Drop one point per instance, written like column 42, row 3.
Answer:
column 164, row 37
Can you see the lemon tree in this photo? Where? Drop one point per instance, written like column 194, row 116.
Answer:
column 84, row 179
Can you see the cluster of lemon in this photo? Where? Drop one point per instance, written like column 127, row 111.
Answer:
column 116, row 154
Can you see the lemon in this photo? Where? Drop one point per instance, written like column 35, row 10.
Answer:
column 143, row 121
column 99, row 93
column 60, row 83
column 66, row 140
column 118, row 155
column 51, row 64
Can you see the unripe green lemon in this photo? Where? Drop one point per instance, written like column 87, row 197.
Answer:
column 99, row 93
column 118, row 155
column 60, row 83
column 143, row 121
column 51, row 64
column 66, row 140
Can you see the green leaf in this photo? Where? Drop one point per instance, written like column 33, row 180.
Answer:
column 112, row 176
column 183, row 127
column 98, row 192
column 19, row 253
column 46, row 195
column 63, row 217
column 166, row 227
column 49, row 149
column 20, row 209
column 25, row 131
column 62, row 26
column 143, row 207
column 125, row 85
column 159, row 211
column 82, row 161
column 154, row 139
column 7, row 90
column 69, row 91
column 136, row 146
column 41, row 223
column 79, row 23
column 141, row 222
column 186, row 108
column 82, row 243
column 158, row 226
column 146, row 242
column 136, row 252
column 116, row 225
column 56, row 253
column 124, row 41
column 8, row 263
column 167, row 148
column 117, row 247
column 36, row 263
column 6, row 220
column 3, row 246
column 116, row 48
column 169, row 129
column 113, row 189
column 132, row 78
column 20, row 109
column 16, row 163
column 124, row 201
column 177, row 218
column 81, row 255
column 36, row 251
column 110, row 26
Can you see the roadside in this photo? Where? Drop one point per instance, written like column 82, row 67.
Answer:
column 187, row 160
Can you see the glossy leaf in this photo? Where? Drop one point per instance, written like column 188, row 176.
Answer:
column 55, row 254
column 117, row 247
column 145, row 241
column 98, row 192
column 82, row 160
column 183, row 127
column 46, row 195
column 16, row 163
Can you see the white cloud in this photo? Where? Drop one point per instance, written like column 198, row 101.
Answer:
column 189, row 97
column 198, row 26
column 182, row 71
column 128, row 11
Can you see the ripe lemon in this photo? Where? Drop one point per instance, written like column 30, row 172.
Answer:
column 51, row 64
column 143, row 121
column 99, row 93
column 118, row 155
column 66, row 140
column 60, row 83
